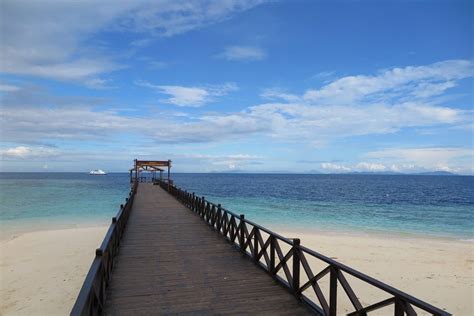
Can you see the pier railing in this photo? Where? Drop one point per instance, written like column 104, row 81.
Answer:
column 91, row 298
column 294, row 266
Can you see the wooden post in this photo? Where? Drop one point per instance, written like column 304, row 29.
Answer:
column 212, row 216
column 333, row 292
column 169, row 167
column 215, row 215
column 136, row 171
column 272, row 254
column 296, row 265
column 255, row 244
column 399, row 310
column 203, row 207
column 242, row 233
column 219, row 214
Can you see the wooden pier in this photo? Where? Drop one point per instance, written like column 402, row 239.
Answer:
column 158, row 257
column 170, row 263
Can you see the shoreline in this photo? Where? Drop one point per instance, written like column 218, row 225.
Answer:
column 437, row 270
column 293, row 231
column 367, row 232
column 8, row 233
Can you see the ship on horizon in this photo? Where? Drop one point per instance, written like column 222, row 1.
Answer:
column 98, row 172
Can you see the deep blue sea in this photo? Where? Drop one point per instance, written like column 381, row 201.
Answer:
column 426, row 205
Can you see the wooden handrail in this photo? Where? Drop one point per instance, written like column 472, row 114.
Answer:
column 91, row 298
column 271, row 258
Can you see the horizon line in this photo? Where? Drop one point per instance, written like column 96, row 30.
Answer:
column 424, row 173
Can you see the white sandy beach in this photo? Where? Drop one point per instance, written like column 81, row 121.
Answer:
column 42, row 272
column 438, row 271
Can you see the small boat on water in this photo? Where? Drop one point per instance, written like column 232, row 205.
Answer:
column 97, row 172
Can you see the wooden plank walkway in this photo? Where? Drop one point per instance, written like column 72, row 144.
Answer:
column 170, row 262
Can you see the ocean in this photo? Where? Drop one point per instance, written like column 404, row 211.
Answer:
column 438, row 206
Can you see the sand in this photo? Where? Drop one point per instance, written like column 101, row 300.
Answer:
column 438, row 271
column 42, row 272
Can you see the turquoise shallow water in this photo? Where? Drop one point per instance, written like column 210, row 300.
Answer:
column 44, row 200
column 426, row 205
column 366, row 218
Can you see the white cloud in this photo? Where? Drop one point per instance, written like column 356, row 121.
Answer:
column 77, row 70
column 23, row 152
column 17, row 151
column 452, row 159
column 392, row 100
column 410, row 160
column 47, row 39
column 222, row 162
column 51, row 39
column 371, row 167
column 32, row 125
column 98, row 83
column 296, row 120
column 358, row 167
column 332, row 167
column 242, row 53
column 275, row 94
column 171, row 17
column 323, row 75
column 185, row 96
column 8, row 88
column 284, row 122
column 191, row 96
column 301, row 122
column 414, row 82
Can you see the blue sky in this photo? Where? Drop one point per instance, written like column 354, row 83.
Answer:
column 257, row 86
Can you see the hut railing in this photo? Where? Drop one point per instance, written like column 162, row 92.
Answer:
column 294, row 264
column 91, row 298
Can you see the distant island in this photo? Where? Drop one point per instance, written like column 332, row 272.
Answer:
column 426, row 173
column 436, row 173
